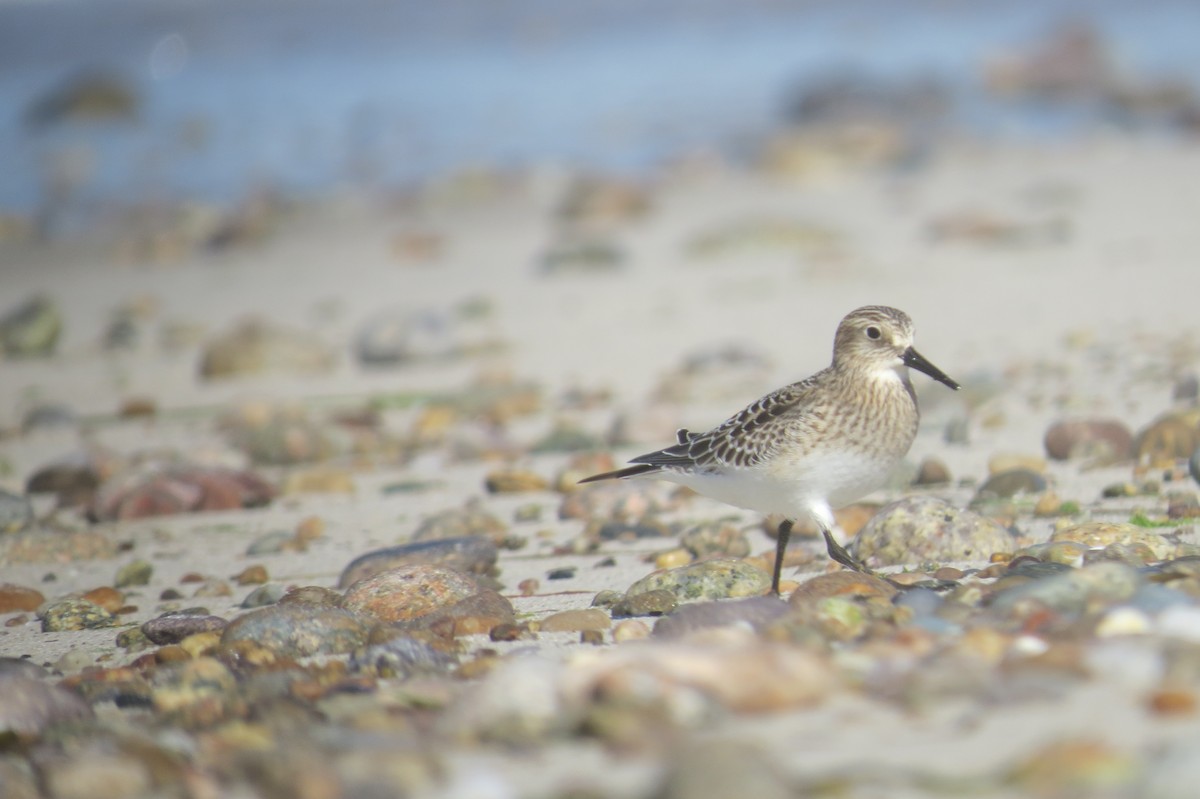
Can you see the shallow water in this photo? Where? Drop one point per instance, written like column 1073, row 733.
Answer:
column 306, row 96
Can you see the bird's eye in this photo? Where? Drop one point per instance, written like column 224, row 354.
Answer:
column 873, row 332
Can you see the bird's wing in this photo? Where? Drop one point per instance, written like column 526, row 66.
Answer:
column 743, row 439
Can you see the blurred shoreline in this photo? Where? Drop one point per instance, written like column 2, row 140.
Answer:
column 218, row 103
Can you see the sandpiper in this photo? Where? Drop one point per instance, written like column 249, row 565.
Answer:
column 812, row 446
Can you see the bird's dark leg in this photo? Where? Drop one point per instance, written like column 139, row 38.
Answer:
column 781, row 542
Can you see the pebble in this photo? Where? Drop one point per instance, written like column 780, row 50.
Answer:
column 202, row 644
column 626, row 531
column 1008, row 461
column 401, row 656
column 1165, row 440
column 32, row 329
column 518, row 703
column 1183, row 505
column 932, row 472
column 63, row 546
column 1123, row 621
column 213, row 588
column 464, row 522
column 71, row 484
column 158, row 490
column 49, row 416
column 567, row 437
column 399, row 337
column 1075, row 590
column 256, row 346
column 582, row 256
column 575, row 621
column 134, row 573
column 1008, row 484
column 88, row 775
column 264, row 595
column 18, row 598
column 171, row 628
column 1079, row 767
column 478, row 614
column 16, row 512
column 1096, row 535
column 655, row 602
column 612, row 500
column 630, row 630
column 514, row 481
column 28, row 706
column 1180, row 621
column 297, row 630
column 1186, row 389
column 528, row 513
column 922, row 601
column 1136, row 555
column 731, row 668
column 272, row 543
column 957, row 431
column 715, row 539
column 316, row 596
column 280, row 435
column 842, row 583
column 195, row 692
column 673, row 558
column 923, row 529
column 73, row 661
column 583, row 464
column 717, row 769
column 318, row 480
column 752, row 613
column 252, row 575
column 468, row 554
column 1067, row 553
column 711, row 579
column 600, row 204
column 110, row 599
column 409, row 592
column 20, row 667
column 1103, row 440
column 74, row 613
column 133, row 639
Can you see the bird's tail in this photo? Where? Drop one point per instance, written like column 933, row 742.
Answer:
column 628, row 471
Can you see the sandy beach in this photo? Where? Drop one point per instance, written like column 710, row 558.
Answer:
column 1055, row 281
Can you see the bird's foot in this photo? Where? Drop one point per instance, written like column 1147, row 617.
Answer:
column 842, row 556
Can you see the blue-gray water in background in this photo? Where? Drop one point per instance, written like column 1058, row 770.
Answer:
column 303, row 96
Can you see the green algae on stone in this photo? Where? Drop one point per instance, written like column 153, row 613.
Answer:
column 74, row 613
column 710, row 579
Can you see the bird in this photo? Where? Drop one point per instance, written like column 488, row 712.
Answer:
column 813, row 446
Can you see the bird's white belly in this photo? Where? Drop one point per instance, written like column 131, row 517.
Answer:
column 796, row 489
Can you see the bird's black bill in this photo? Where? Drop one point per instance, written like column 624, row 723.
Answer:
column 917, row 361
